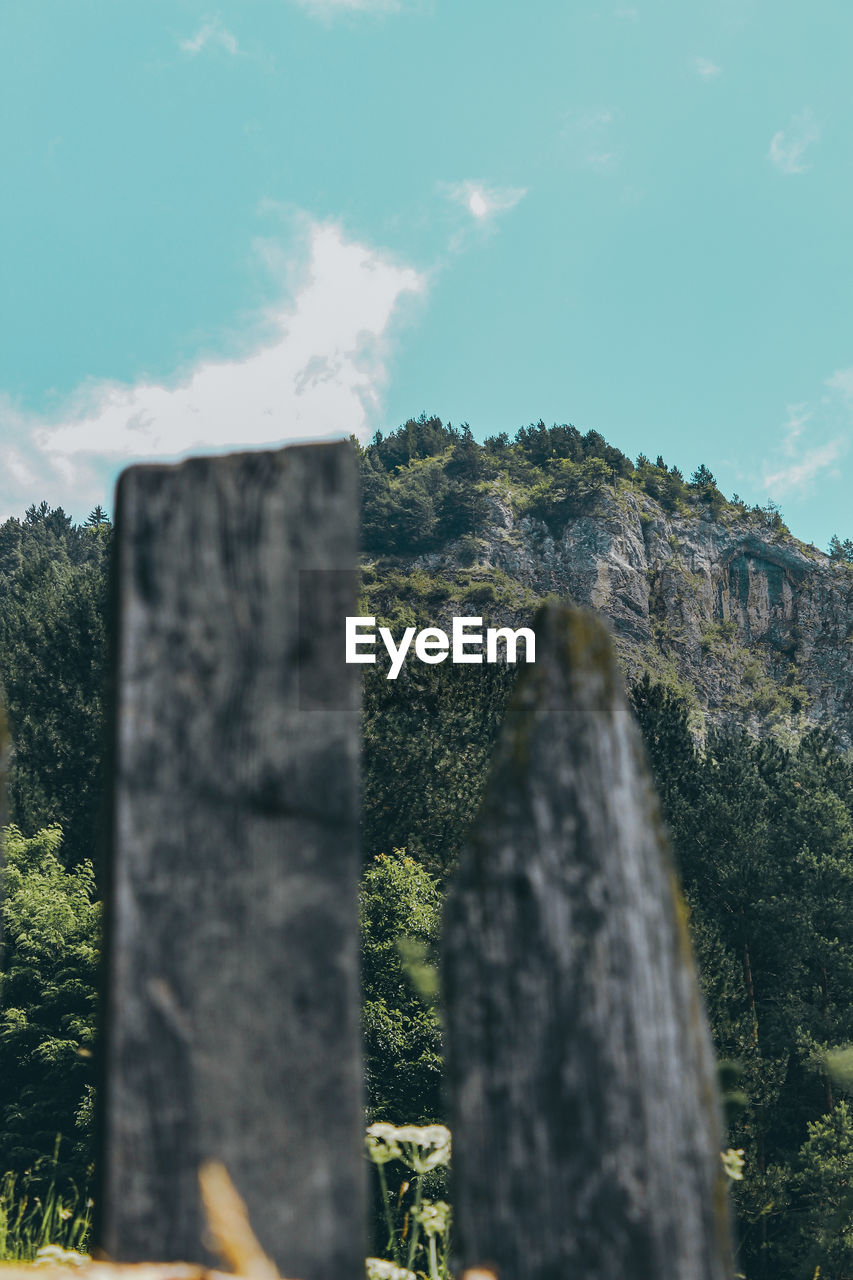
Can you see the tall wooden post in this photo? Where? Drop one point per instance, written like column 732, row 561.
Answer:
column 583, row 1102
column 232, row 947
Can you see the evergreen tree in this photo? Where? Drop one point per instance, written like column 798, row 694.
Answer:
column 51, row 929
column 53, row 578
column 428, row 738
column 97, row 517
column 702, row 478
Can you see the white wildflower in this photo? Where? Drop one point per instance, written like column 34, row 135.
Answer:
column 382, row 1269
column 53, row 1255
column 434, row 1216
column 382, row 1145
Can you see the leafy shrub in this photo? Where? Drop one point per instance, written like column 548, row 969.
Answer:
column 51, row 927
column 824, row 1182
column 482, row 593
column 400, row 901
column 570, row 488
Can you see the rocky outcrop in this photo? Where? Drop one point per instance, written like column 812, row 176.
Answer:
column 748, row 622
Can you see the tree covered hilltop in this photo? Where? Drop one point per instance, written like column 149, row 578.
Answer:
column 712, row 597
column 734, row 640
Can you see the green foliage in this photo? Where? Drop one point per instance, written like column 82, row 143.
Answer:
column 427, row 484
column 53, row 585
column 399, row 598
column 717, row 635
column 97, row 518
column 824, row 1182
column 704, row 486
column 664, row 484
column 51, row 926
column 568, row 489
column 763, row 836
column 38, row 1225
column 427, row 741
column 703, row 479
column 840, row 552
column 538, row 445
column 764, row 842
column 771, row 517
column 400, row 921
column 422, row 437
column 420, row 488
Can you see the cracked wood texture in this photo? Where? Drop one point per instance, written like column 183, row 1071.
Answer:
column 582, row 1084
column 232, row 1027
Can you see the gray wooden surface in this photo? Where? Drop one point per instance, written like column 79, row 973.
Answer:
column 583, row 1102
column 232, row 1008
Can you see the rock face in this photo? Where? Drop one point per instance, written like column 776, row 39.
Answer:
column 744, row 619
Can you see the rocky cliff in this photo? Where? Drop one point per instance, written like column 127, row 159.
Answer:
column 749, row 623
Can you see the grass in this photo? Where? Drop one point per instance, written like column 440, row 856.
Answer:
column 44, row 1226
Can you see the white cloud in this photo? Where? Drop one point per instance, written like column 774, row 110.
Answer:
column 800, row 474
column 842, row 382
column 627, row 14
column 787, row 149
column 706, row 69
column 813, row 439
column 318, row 375
column 211, row 32
column 799, row 416
column 484, row 202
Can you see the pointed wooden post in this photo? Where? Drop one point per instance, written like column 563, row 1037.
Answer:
column 232, row 1027
column 581, row 1075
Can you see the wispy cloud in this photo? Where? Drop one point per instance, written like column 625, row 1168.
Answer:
column 210, row 33
column 482, row 201
column 788, row 147
column 814, row 438
column 594, row 118
column 627, row 13
column 319, row 373
column 706, row 69
column 602, row 161
column 842, row 382
column 799, row 475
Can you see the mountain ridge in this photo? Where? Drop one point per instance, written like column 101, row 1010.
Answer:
column 715, row 599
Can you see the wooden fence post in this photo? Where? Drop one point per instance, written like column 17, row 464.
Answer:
column 232, row 1027
column 583, row 1098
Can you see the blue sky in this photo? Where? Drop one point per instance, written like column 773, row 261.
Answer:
column 239, row 224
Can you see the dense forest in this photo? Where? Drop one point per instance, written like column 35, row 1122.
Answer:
column 762, row 833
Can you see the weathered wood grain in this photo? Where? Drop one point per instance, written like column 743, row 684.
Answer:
column 584, row 1109
column 232, row 950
